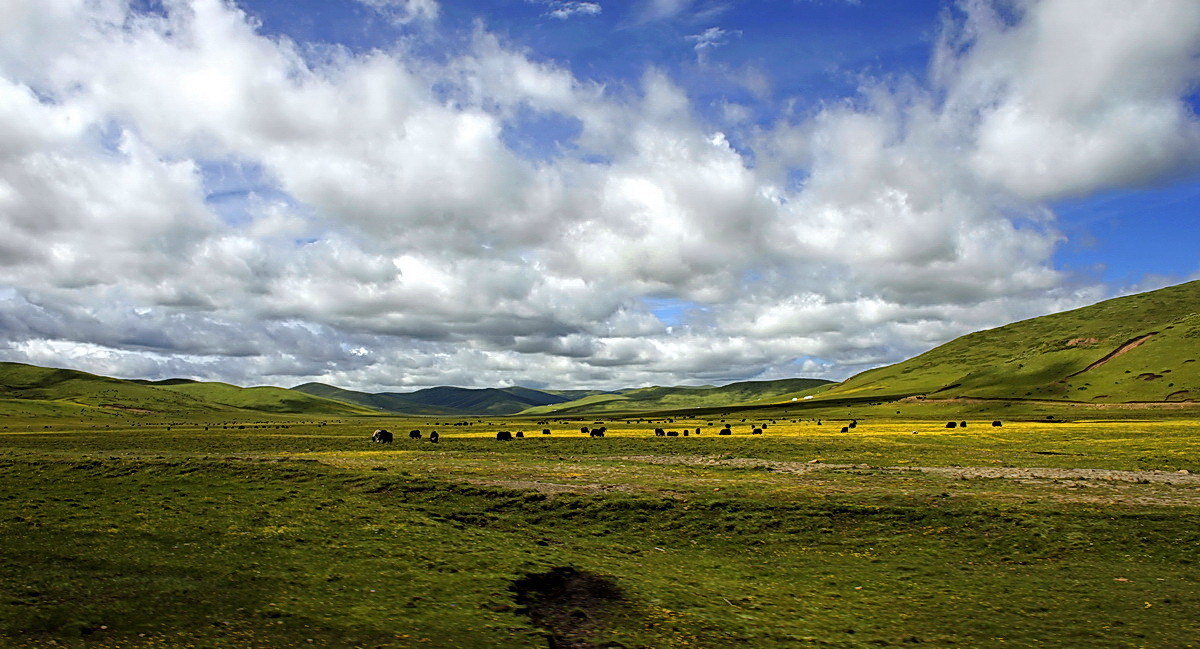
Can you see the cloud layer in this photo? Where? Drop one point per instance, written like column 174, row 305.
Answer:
column 181, row 195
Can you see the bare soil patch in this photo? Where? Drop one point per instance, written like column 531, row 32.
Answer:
column 565, row 603
column 1123, row 349
column 983, row 472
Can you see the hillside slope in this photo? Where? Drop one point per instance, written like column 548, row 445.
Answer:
column 265, row 399
column 69, row 389
column 486, row 401
column 391, row 402
column 1143, row 347
column 30, row 390
column 676, row 398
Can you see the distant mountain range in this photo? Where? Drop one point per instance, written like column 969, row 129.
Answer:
column 1140, row 348
column 39, row 391
column 448, row 400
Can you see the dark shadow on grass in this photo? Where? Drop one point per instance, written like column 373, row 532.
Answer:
column 565, row 603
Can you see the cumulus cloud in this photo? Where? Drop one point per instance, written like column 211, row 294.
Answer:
column 181, row 195
column 1071, row 98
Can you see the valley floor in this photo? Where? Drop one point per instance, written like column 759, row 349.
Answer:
column 137, row 532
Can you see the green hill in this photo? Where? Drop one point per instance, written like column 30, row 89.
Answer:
column 265, row 399
column 385, row 401
column 486, row 401
column 25, row 387
column 1143, row 347
column 683, row 397
column 28, row 390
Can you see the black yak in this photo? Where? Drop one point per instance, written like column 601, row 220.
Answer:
column 433, row 437
column 414, row 434
column 504, row 436
column 381, row 436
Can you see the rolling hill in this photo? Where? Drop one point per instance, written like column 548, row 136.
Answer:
column 70, row 390
column 264, row 398
column 447, row 400
column 1139, row 348
column 683, row 397
column 33, row 390
column 391, row 402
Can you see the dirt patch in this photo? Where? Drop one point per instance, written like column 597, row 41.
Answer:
column 1123, row 349
column 566, row 603
column 1013, row 473
column 1082, row 342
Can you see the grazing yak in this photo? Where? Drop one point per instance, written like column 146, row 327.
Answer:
column 845, row 429
column 598, row 432
column 584, row 430
column 521, row 434
column 962, row 424
column 658, row 432
column 545, row 431
column 504, row 436
column 433, row 437
column 381, row 436
column 997, row 423
column 672, row 433
column 952, row 424
column 414, row 434
column 756, row 431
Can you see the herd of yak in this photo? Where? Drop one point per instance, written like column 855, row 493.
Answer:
column 383, row 436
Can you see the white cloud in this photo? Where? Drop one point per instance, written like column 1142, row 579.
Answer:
column 403, row 12
column 1076, row 97
column 563, row 9
column 181, row 195
column 709, row 38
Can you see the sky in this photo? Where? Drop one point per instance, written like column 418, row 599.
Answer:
column 387, row 195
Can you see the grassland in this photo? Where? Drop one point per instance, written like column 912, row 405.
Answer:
column 133, row 530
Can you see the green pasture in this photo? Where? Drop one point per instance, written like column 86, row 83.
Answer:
column 201, row 530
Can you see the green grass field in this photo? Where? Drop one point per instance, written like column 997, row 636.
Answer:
column 203, row 531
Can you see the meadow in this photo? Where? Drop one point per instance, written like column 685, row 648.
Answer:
column 135, row 530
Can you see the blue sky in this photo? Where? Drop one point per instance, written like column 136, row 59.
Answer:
column 395, row 194
column 808, row 52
